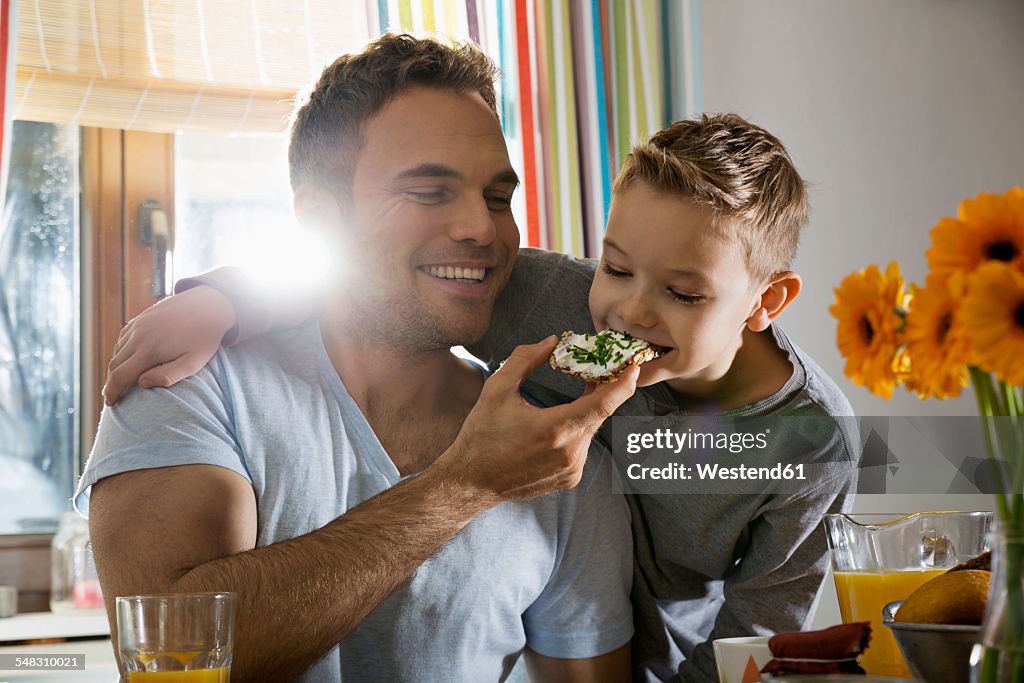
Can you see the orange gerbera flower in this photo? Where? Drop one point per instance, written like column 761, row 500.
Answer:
column 869, row 307
column 988, row 228
column 935, row 342
column 993, row 320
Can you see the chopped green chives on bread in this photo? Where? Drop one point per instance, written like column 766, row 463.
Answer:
column 600, row 357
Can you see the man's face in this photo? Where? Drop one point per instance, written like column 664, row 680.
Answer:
column 430, row 224
column 668, row 276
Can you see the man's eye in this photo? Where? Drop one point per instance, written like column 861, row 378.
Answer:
column 498, row 202
column 431, row 197
column 686, row 298
column 613, row 272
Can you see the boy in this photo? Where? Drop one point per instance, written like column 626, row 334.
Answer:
column 704, row 224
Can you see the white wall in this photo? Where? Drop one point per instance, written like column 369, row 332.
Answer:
column 894, row 111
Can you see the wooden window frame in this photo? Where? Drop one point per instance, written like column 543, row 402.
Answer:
column 119, row 170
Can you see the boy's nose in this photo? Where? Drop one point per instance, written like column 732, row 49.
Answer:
column 635, row 312
column 472, row 222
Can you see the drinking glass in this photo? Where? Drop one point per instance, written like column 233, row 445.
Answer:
column 176, row 638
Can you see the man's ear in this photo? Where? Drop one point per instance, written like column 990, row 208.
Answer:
column 315, row 209
column 780, row 291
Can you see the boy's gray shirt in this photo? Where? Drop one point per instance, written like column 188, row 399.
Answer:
column 706, row 566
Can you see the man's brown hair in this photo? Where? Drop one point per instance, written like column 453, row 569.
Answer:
column 327, row 121
column 739, row 170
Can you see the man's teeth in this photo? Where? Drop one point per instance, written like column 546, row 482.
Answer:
column 449, row 273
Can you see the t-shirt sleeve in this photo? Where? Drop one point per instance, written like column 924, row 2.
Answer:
column 584, row 610
column 258, row 308
column 188, row 424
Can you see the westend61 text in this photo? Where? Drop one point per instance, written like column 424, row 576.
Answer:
column 667, row 439
column 714, row 471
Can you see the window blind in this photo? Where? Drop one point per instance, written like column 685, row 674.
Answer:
column 226, row 66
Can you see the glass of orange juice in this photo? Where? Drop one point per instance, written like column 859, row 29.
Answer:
column 176, row 638
column 881, row 557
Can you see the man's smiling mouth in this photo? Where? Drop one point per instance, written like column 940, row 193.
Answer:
column 472, row 275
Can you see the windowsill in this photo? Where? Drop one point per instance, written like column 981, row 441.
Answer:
column 37, row 625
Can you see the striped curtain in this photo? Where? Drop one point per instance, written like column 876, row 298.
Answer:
column 582, row 81
column 8, row 11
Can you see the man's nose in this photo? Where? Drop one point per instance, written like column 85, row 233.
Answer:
column 472, row 222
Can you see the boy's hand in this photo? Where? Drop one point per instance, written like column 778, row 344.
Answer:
column 508, row 449
column 169, row 341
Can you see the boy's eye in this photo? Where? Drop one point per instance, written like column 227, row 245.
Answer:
column 686, row 298
column 613, row 271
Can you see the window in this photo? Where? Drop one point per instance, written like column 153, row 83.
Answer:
column 72, row 266
column 233, row 203
column 39, row 327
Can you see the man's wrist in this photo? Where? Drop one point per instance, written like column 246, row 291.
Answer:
column 447, row 477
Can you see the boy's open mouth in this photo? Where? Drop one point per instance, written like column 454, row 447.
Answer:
column 659, row 350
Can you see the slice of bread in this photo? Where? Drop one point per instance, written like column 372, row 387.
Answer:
column 600, row 357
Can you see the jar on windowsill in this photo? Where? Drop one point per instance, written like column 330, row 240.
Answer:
column 74, row 584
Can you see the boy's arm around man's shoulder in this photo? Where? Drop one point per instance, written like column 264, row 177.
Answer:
column 174, row 338
column 258, row 307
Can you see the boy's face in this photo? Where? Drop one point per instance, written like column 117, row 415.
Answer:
column 669, row 276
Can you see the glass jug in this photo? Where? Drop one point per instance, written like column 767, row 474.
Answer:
column 74, row 585
column 881, row 557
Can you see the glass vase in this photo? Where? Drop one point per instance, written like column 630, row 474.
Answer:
column 999, row 657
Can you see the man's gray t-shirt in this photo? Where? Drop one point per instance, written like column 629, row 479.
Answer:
column 552, row 573
column 706, row 566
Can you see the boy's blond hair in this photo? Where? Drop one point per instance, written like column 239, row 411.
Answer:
column 327, row 122
column 739, row 170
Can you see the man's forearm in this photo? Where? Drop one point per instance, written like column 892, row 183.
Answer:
column 298, row 598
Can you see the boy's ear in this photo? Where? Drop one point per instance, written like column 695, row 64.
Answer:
column 779, row 293
column 315, row 209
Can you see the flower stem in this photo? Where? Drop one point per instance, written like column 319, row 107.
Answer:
column 985, row 394
column 1013, row 635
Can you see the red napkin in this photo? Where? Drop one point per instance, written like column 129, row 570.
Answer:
column 831, row 650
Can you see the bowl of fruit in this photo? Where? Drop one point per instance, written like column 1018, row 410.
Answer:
column 938, row 624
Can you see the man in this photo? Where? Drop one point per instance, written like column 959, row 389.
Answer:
column 353, row 481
